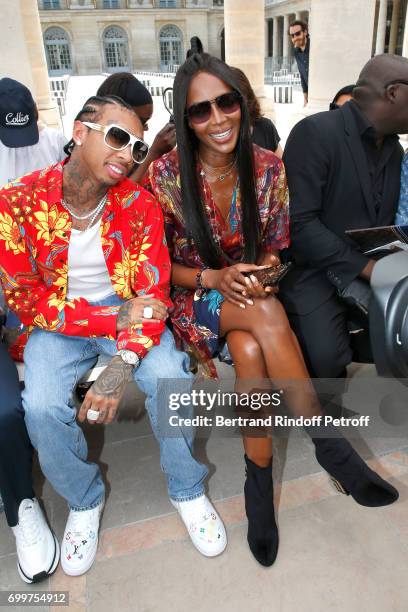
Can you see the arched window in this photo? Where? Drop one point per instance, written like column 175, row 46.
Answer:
column 116, row 49
column 57, row 50
column 51, row 4
column 171, row 47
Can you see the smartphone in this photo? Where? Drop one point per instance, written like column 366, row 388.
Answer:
column 271, row 276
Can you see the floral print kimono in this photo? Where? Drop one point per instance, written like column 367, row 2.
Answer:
column 195, row 316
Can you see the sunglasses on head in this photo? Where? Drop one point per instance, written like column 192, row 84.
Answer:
column 296, row 34
column 117, row 138
column 227, row 103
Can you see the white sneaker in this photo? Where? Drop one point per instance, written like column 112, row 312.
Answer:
column 205, row 528
column 37, row 547
column 80, row 543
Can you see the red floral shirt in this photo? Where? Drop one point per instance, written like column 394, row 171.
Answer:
column 35, row 232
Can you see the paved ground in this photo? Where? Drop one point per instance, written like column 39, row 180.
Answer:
column 334, row 555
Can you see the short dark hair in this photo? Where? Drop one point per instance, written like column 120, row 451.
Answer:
column 92, row 111
column 197, row 225
column 299, row 22
column 344, row 91
column 126, row 86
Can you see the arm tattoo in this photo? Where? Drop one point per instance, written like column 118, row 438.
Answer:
column 113, row 379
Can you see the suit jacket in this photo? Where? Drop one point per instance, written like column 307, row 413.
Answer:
column 330, row 192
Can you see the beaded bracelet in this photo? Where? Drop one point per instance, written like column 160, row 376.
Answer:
column 199, row 284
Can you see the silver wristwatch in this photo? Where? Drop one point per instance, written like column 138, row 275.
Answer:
column 129, row 357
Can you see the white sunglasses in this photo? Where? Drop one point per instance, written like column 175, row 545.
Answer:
column 117, row 138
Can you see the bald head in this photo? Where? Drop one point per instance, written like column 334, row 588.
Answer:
column 382, row 93
column 379, row 71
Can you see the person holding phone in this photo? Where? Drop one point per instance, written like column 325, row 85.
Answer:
column 225, row 205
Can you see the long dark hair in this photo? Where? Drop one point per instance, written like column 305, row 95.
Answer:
column 254, row 108
column 197, row 225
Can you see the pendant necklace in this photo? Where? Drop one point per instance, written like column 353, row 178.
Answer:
column 208, row 171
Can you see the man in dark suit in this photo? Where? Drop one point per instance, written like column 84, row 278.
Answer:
column 343, row 170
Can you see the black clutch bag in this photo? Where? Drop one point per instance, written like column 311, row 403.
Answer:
column 270, row 277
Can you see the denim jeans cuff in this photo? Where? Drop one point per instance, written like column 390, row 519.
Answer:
column 94, row 505
column 189, row 497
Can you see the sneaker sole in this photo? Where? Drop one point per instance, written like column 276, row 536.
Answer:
column 200, row 550
column 45, row 574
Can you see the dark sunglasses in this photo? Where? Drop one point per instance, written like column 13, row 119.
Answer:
column 117, row 138
column 227, row 103
column 296, row 34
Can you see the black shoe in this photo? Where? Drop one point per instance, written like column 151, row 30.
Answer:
column 344, row 464
column 263, row 537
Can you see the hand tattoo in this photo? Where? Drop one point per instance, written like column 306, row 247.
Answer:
column 112, row 382
column 123, row 320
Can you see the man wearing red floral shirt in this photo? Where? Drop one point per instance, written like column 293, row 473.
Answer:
column 84, row 265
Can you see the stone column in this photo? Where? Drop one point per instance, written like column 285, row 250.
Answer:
column 405, row 40
column 298, row 15
column 266, row 37
column 286, row 41
column 381, row 28
column 23, row 56
column 334, row 64
column 275, row 52
column 245, row 45
column 394, row 26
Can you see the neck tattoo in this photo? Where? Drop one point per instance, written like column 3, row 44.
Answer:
column 91, row 215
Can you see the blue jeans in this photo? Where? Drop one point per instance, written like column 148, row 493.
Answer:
column 54, row 363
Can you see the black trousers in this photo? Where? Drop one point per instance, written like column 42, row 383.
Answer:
column 16, row 453
column 324, row 338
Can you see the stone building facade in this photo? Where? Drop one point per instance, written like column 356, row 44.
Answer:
column 93, row 36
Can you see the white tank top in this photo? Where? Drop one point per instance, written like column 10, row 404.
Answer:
column 88, row 275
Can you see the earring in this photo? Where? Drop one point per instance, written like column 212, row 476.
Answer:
column 78, row 142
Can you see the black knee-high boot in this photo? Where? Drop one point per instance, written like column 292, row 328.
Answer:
column 263, row 537
column 336, row 455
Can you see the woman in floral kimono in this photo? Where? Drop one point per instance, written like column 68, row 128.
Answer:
column 225, row 205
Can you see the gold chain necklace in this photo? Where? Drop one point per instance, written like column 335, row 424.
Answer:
column 208, row 171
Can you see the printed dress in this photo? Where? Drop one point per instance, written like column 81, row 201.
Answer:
column 195, row 316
